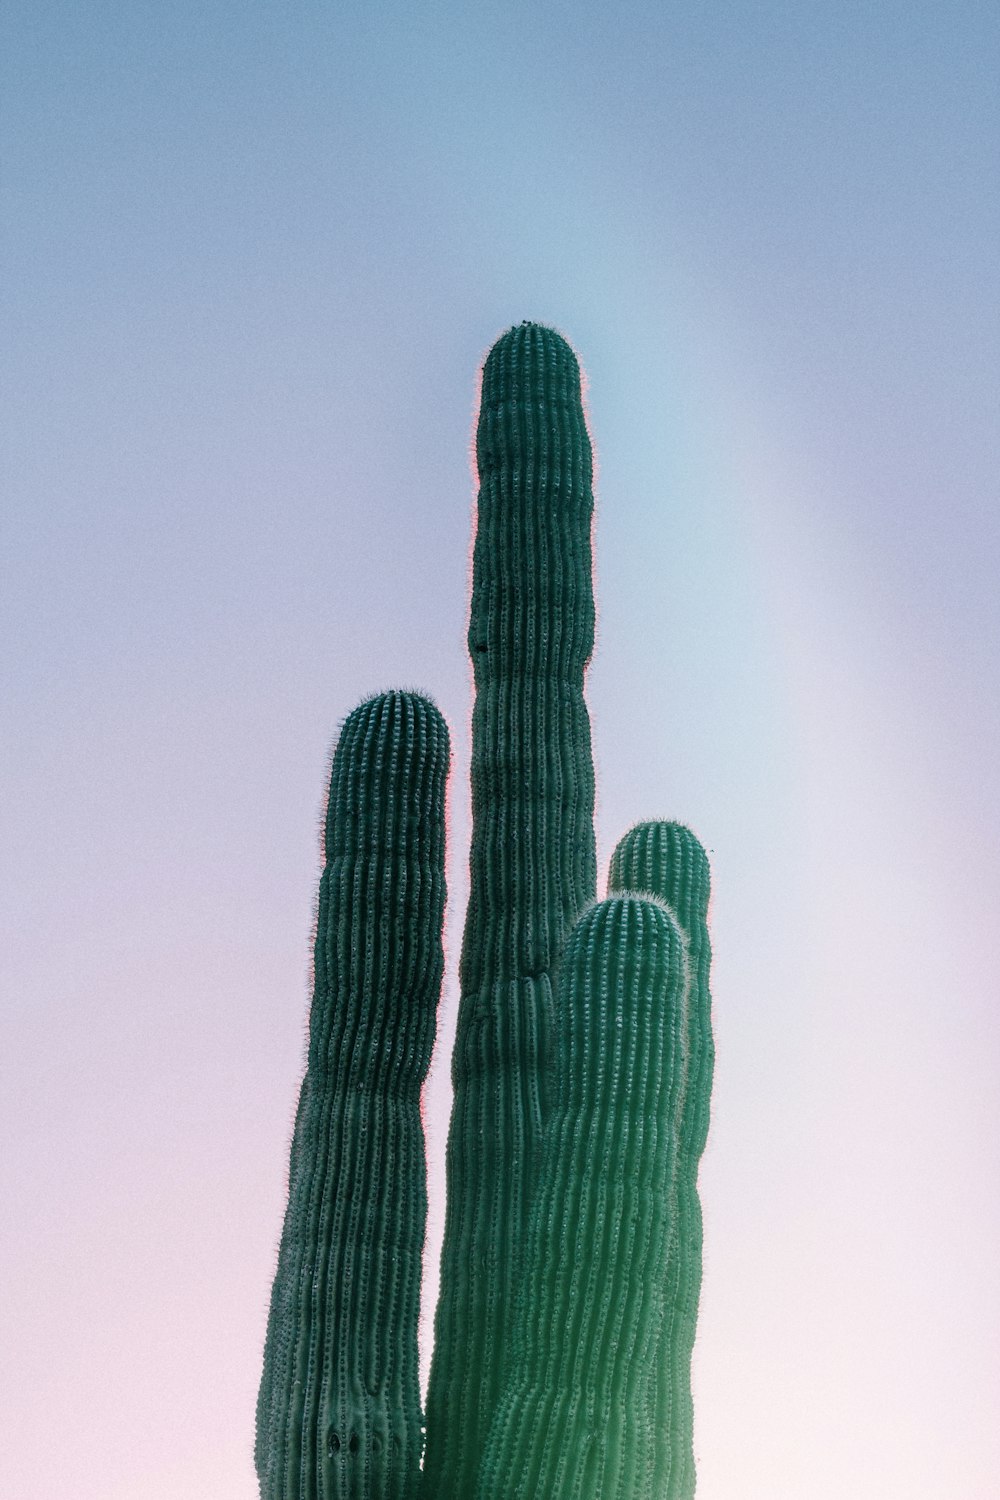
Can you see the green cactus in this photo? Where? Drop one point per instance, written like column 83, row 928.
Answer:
column 667, row 860
column 582, row 1067
column 338, row 1411
column 578, row 1416
column 532, row 863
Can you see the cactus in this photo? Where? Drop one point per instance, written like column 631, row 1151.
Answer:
column 667, row 860
column 571, row 1264
column 532, row 863
column 338, row 1412
column 577, row 1416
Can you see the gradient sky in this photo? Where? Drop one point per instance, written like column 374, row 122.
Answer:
column 252, row 256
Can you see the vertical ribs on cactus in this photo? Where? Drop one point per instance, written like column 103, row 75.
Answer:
column 666, row 860
column 532, row 863
column 578, row 1415
column 339, row 1404
column 582, row 1063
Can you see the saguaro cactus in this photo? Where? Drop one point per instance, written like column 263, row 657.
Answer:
column 571, row 1265
column 579, row 1415
column 667, row 860
column 338, row 1412
column 532, row 863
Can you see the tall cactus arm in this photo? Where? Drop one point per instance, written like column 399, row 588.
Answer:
column 667, row 860
column 338, row 1414
column 576, row 1419
column 532, row 863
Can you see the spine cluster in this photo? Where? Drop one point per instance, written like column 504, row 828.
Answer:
column 338, row 1415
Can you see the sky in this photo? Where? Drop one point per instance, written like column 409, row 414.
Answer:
column 252, row 256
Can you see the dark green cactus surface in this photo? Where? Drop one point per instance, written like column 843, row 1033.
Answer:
column 667, row 860
column 578, row 1416
column 338, row 1411
column 532, row 864
column 582, row 1066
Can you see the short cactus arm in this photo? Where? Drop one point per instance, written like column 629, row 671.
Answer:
column 576, row 1421
column 532, row 863
column 338, row 1413
column 667, row 860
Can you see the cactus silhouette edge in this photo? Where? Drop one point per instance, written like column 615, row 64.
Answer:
column 582, row 1064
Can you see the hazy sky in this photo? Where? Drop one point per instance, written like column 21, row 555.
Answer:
column 253, row 255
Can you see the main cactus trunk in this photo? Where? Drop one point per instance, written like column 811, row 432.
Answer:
column 532, row 864
column 338, row 1415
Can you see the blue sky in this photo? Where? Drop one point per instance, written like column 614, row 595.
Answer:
column 252, row 256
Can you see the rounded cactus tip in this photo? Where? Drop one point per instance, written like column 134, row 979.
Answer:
column 662, row 829
column 532, row 344
column 396, row 697
column 396, row 704
column 627, row 911
column 632, row 933
column 391, row 741
column 652, row 854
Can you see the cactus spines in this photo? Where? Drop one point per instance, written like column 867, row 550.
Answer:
column 667, row 860
column 532, row 863
column 339, row 1404
column 576, row 1418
